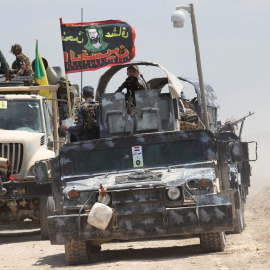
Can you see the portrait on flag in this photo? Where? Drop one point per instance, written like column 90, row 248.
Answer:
column 95, row 39
column 93, row 45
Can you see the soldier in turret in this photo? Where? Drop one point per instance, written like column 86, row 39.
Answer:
column 22, row 65
column 132, row 83
column 189, row 119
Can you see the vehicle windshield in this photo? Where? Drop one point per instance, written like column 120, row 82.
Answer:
column 20, row 115
column 160, row 154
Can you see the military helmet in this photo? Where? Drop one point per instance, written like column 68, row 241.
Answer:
column 88, row 89
column 15, row 47
column 133, row 66
column 63, row 80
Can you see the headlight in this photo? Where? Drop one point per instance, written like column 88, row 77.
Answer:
column 192, row 183
column 106, row 199
column 198, row 183
column 73, row 194
column 203, row 183
column 173, row 193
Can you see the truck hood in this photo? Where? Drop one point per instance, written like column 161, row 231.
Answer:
column 135, row 179
column 18, row 136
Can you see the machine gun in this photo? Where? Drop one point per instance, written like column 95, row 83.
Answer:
column 23, row 78
column 16, row 81
column 229, row 126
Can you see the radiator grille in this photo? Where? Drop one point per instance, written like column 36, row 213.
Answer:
column 42, row 140
column 140, row 209
column 14, row 153
column 140, row 201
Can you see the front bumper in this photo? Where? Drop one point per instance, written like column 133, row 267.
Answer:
column 213, row 213
column 24, row 190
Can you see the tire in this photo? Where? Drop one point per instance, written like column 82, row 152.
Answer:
column 243, row 211
column 213, row 242
column 240, row 218
column 240, row 221
column 77, row 253
column 46, row 208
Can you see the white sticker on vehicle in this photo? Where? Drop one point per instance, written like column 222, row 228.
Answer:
column 137, row 156
column 3, row 104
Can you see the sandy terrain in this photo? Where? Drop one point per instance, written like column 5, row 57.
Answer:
column 249, row 250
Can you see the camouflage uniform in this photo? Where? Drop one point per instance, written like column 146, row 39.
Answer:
column 22, row 67
column 86, row 125
column 189, row 120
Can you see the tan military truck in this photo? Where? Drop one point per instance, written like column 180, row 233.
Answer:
column 28, row 133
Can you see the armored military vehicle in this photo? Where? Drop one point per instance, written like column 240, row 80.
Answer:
column 159, row 179
column 28, row 129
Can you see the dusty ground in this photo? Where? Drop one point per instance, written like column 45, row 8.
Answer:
column 249, row 250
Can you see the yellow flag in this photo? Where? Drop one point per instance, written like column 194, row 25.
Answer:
column 40, row 74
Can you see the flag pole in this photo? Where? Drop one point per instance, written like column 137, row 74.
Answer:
column 67, row 84
column 81, row 55
column 68, row 95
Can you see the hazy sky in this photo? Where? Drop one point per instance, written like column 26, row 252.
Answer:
column 234, row 40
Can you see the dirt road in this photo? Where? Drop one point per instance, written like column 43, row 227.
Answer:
column 249, row 250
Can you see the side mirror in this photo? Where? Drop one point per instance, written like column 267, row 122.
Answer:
column 250, row 148
column 50, row 145
column 41, row 172
column 236, row 153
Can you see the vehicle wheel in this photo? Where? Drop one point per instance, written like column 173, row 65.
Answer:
column 77, row 253
column 240, row 221
column 240, row 218
column 46, row 208
column 213, row 242
column 243, row 213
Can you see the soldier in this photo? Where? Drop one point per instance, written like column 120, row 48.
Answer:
column 189, row 119
column 4, row 66
column 22, row 65
column 86, row 125
column 62, row 92
column 132, row 83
